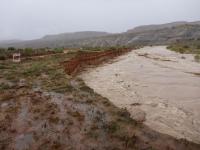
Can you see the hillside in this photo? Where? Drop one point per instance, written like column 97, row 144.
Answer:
column 74, row 36
column 10, row 41
column 152, row 37
column 57, row 40
column 161, row 26
column 144, row 35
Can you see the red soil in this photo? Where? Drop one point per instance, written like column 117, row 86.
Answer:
column 73, row 65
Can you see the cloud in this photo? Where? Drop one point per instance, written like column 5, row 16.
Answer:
column 28, row 19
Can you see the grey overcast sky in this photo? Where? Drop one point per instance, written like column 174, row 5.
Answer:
column 29, row 19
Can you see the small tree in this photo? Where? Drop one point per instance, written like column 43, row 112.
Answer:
column 197, row 58
column 11, row 49
column 186, row 46
column 2, row 49
column 28, row 51
column 181, row 50
column 59, row 50
column 2, row 56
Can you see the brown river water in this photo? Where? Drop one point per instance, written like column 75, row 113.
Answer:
column 156, row 85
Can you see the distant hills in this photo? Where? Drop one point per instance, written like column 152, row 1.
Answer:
column 74, row 36
column 52, row 41
column 161, row 26
column 145, row 35
column 10, row 41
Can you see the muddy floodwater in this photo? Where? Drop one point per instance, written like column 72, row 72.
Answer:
column 156, row 85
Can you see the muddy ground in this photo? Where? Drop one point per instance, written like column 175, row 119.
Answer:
column 42, row 108
column 156, row 85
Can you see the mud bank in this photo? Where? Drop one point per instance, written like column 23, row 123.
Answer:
column 155, row 85
column 77, row 63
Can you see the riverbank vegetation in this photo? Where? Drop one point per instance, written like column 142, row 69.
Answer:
column 6, row 53
column 187, row 47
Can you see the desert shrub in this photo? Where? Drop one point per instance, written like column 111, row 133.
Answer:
column 2, row 49
column 4, row 86
column 112, row 127
column 198, row 46
column 87, row 89
column 6, row 96
column 112, row 48
column 2, row 66
column 106, row 102
column 197, row 58
column 61, row 88
column 186, row 46
column 28, row 51
column 59, row 50
column 124, row 113
column 78, row 115
column 53, row 119
column 181, row 50
column 11, row 49
column 169, row 47
column 2, row 56
column 34, row 69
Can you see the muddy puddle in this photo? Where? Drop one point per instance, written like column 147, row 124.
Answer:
column 157, row 86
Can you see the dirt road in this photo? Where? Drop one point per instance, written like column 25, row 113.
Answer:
column 155, row 83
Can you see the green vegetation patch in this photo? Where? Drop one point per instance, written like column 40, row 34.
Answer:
column 4, row 86
column 197, row 57
column 187, row 47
